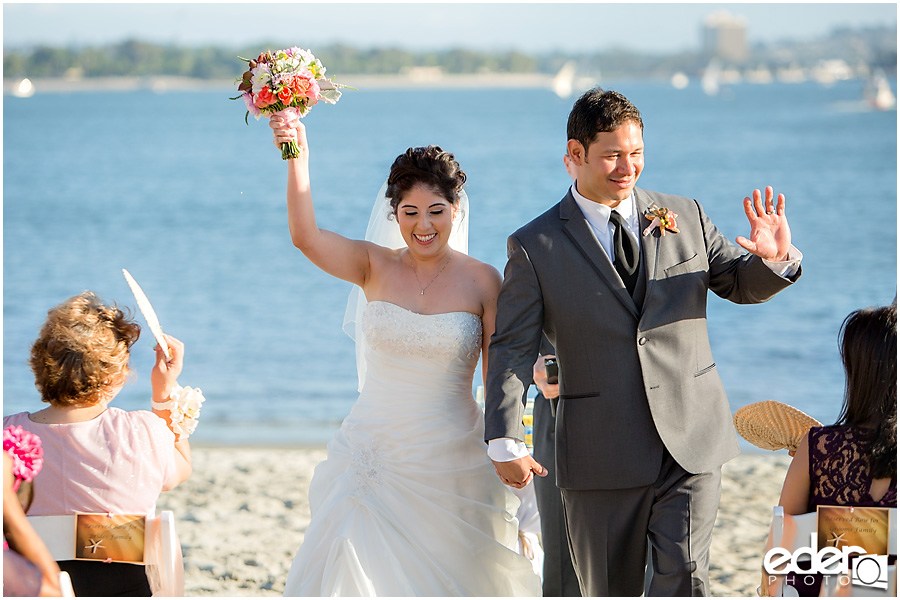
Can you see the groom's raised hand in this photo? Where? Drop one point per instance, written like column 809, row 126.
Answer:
column 770, row 236
column 519, row 472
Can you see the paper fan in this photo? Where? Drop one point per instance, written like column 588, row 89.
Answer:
column 772, row 425
column 148, row 312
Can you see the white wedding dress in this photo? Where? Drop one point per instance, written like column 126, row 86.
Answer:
column 407, row 502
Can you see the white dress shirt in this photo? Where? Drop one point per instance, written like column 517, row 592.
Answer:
column 597, row 216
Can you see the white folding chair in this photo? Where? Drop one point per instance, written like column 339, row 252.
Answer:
column 57, row 533
column 162, row 552
column 165, row 563
column 65, row 585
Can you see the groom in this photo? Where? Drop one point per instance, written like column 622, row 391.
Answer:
column 643, row 424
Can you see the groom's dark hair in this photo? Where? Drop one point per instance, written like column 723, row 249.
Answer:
column 600, row 111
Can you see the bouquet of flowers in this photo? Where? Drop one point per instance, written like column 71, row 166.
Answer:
column 287, row 82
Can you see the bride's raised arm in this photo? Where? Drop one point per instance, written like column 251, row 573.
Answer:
column 333, row 253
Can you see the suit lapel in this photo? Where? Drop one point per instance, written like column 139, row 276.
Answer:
column 649, row 243
column 578, row 229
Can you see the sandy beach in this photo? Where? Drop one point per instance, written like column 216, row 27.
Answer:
column 242, row 514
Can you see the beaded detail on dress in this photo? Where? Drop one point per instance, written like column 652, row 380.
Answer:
column 839, row 469
column 396, row 330
column 367, row 466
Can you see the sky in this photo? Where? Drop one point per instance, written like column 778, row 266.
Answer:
column 527, row 27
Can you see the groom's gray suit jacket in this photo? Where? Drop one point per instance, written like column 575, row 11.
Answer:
column 634, row 377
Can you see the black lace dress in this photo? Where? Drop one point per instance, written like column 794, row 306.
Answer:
column 839, row 472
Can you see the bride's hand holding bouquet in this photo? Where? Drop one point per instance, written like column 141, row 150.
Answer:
column 287, row 83
column 288, row 129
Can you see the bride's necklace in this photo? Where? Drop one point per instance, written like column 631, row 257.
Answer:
column 441, row 270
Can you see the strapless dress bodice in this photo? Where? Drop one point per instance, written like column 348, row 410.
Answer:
column 393, row 330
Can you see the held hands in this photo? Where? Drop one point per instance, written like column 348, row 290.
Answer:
column 289, row 128
column 539, row 374
column 519, row 472
column 165, row 372
column 770, row 236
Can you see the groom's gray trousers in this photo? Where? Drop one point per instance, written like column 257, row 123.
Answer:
column 678, row 512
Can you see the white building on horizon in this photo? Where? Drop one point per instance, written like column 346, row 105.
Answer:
column 724, row 37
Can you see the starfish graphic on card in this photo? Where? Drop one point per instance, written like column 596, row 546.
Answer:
column 110, row 538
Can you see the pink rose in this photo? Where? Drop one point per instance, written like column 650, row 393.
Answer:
column 285, row 95
column 265, row 98
column 313, row 93
column 305, row 86
column 25, row 449
column 300, row 84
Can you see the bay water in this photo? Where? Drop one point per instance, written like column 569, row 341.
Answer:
column 178, row 190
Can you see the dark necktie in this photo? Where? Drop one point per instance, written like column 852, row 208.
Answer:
column 627, row 253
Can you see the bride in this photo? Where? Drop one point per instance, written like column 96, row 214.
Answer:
column 407, row 502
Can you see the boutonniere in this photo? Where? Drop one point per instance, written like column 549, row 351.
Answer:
column 661, row 218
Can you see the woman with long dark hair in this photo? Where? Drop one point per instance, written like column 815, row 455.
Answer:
column 854, row 461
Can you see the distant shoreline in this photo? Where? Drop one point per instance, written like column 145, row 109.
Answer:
column 161, row 84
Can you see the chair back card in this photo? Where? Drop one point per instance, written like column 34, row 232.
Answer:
column 103, row 537
column 866, row 527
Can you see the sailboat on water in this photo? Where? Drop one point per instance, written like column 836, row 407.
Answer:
column 563, row 83
column 710, row 80
column 23, row 89
column 878, row 93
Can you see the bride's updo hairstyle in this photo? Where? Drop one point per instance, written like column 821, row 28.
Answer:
column 83, row 348
column 429, row 166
